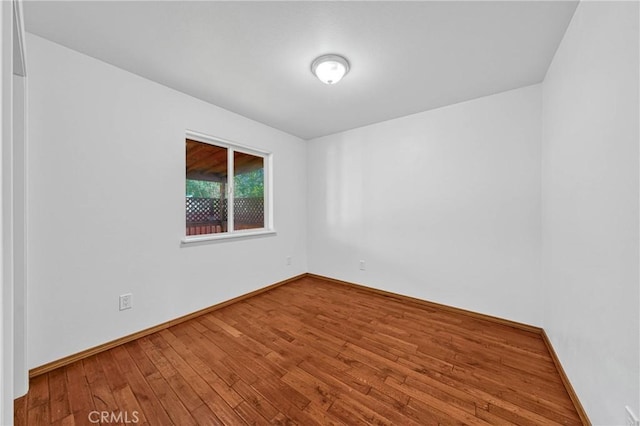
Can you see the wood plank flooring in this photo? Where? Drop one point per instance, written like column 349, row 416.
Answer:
column 312, row 352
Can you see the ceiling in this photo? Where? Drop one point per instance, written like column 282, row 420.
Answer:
column 254, row 58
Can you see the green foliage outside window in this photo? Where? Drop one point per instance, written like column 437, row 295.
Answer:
column 203, row 189
column 247, row 185
column 250, row 185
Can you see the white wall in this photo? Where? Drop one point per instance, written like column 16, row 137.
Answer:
column 21, row 376
column 443, row 205
column 106, row 205
column 590, row 207
column 13, row 376
column 6, row 305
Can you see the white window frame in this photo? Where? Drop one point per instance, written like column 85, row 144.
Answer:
column 232, row 147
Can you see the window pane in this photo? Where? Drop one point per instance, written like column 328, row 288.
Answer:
column 206, row 204
column 248, row 183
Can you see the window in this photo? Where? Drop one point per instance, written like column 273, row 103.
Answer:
column 227, row 189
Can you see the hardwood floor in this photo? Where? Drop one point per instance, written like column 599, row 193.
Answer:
column 312, row 352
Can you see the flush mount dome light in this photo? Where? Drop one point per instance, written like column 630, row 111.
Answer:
column 330, row 68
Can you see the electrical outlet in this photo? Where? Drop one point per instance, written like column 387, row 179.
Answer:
column 126, row 301
column 631, row 418
column 288, row 260
column 362, row 265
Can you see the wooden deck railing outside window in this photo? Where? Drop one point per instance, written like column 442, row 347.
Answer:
column 209, row 215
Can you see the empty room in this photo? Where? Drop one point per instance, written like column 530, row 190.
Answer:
column 320, row 213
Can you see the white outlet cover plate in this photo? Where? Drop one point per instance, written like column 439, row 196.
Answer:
column 125, row 301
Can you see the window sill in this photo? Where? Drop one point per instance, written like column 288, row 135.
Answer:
column 237, row 235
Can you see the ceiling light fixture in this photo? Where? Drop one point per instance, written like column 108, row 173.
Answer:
column 330, row 68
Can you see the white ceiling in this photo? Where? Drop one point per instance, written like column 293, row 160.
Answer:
column 253, row 58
